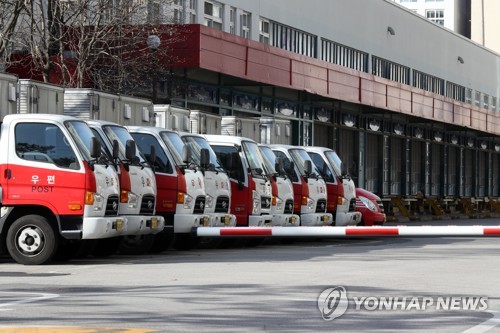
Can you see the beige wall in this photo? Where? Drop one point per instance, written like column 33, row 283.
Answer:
column 485, row 31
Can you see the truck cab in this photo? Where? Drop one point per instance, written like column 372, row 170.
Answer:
column 56, row 187
column 310, row 196
column 340, row 187
column 181, row 188
column 218, row 190
column 250, row 185
column 283, row 199
column 138, row 194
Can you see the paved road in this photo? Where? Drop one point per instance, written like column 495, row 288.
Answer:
column 268, row 288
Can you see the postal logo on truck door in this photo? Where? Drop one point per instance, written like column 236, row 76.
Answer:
column 36, row 187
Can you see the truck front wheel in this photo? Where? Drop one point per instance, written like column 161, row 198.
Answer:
column 31, row 240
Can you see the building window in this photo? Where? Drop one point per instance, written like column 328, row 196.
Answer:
column 493, row 103
column 428, row 82
column 246, row 21
column 390, row 70
column 455, row 91
column 343, row 55
column 468, row 95
column 477, row 98
column 184, row 11
column 264, row 31
column 293, row 40
column 435, row 15
column 213, row 15
column 232, row 20
column 486, row 101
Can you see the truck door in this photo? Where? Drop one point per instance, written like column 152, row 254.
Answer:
column 43, row 169
column 166, row 177
column 241, row 195
column 332, row 186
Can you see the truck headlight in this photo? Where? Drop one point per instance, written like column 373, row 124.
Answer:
column 255, row 202
column 279, row 204
column 133, row 199
column 98, row 202
column 368, row 203
column 310, row 203
column 209, row 201
column 188, row 201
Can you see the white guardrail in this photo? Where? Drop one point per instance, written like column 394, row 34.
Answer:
column 406, row 231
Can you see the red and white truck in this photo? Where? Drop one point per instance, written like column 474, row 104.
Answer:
column 340, row 187
column 283, row 200
column 54, row 187
column 308, row 187
column 217, row 184
column 181, row 188
column 250, row 185
column 138, row 193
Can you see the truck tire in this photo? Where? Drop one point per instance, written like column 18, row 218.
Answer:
column 163, row 242
column 134, row 245
column 106, row 247
column 31, row 240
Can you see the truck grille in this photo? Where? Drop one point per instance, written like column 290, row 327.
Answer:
column 222, row 205
column 265, row 203
column 352, row 205
column 199, row 205
column 148, row 205
column 289, row 207
column 112, row 206
column 321, row 206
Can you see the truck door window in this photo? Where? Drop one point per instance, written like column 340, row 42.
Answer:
column 162, row 162
column 287, row 166
column 320, row 163
column 224, row 155
column 44, row 143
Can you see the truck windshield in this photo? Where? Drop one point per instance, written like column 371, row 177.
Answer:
column 81, row 134
column 299, row 156
column 254, row 158
column 269, row 159
column 196, row 144
column 335, row 161
column 121, row 135
column 174, row 144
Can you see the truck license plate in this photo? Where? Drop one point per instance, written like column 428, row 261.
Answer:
column 154, row 223
column 119, row 225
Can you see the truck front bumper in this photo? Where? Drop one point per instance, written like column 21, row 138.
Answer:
column 260, row 220
column 316, row 219
column 286, row 220
column 221, row 220
column 104, row 227
column 144, row 225
column 184, row 223
column 351, row 218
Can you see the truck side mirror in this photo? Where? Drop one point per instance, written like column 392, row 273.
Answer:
column 343, row 169
column 116, row 149
column 152, row 156
column 130, row 150
column 186, row 155
column 204, row 158
column 307, row 167
column 95, row 147
column 279, row 166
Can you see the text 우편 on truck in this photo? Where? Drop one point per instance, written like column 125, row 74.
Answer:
column 138, row 193
column 283, row 200
column 250, row 186
column 340, row 187
column 308, row 187
column 55, row 187
column 181, row 188
column 217, row 186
